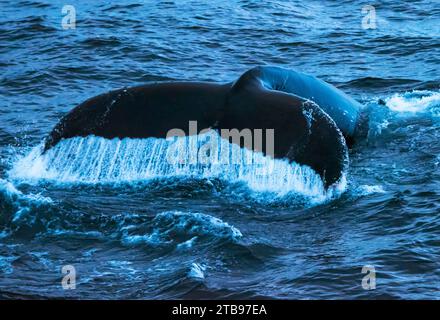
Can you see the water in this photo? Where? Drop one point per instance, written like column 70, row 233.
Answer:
column 135, row 228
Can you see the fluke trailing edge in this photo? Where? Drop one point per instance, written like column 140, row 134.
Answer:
column 310, row 118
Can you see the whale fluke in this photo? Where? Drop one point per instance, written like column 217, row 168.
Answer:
column 309, row 117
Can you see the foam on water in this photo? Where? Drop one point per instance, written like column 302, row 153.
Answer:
column 98, row 160
column 408, row 105
column 8, row 190
column 370, row 189
column 16, row 207
column 197, row 271
column 415, row 101
column 180, row 230
column 12, row 195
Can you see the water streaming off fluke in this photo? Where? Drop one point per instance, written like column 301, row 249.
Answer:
column 98, row 160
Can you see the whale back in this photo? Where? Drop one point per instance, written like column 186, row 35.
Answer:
column 343, row 109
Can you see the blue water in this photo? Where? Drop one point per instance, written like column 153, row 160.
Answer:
column 137, row 231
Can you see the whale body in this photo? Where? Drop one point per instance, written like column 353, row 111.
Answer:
column 311, row 119
column 343, row 109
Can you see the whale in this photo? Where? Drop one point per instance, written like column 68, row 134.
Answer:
column 311, row 120
column 344, row 110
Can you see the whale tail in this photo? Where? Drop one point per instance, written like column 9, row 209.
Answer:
column 304, row 133
column 262, row 98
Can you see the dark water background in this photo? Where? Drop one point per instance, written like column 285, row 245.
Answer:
column 216, row 238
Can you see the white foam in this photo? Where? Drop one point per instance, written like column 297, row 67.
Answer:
column 8, row 189
column 98, row 160
column 180, row 230
column 371, row 189
column 197, row 271
column 13, row 194
column 414, row 101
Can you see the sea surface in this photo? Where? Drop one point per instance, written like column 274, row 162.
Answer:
column 134, row 227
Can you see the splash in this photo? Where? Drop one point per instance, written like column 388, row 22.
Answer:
column 415, row 101
column 411, row 105
column 10, row 194
column 16, row 208
column 98, row 160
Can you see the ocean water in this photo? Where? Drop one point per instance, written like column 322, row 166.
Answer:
column 135, row 227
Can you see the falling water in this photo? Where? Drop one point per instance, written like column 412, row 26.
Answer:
column 98, row 160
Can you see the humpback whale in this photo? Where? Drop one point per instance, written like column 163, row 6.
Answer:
column 312, row 120
column 344, row 110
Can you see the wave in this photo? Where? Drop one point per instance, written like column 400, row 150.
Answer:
column 18, row 209
column 11, row 195
column 98, row 160
column 181, row 230
column 35, row 216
